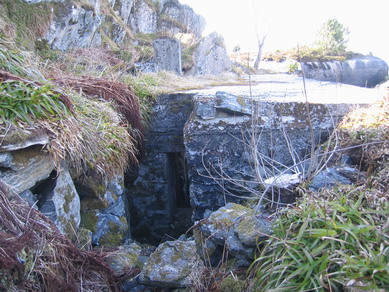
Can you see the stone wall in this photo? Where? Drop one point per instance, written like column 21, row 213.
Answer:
column 152, row 191
column 219, row 145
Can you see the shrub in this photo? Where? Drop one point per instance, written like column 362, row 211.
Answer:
column 333, row 36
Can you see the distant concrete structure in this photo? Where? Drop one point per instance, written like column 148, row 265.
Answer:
column 168, row 55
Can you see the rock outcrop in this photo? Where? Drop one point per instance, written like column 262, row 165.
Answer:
column 167, row 55
column 210, row 56
column 221, row 147
column 234, row 227
column 367, row 71
column 174, row 264
column 77, row 24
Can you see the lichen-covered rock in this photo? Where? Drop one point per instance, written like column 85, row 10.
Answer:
column 124, row 259
column 62, row 204
column 237, row 228
column 16, row 139
column 367, row 71
column 28, row 167
column 110, row 230
column 83, row 238
column 107, row 215
column 174, row 264
column 211, row 56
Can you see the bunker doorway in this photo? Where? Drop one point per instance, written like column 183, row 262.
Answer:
column 178, row 184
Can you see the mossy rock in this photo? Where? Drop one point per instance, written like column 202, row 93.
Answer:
column 83, row 239
column 89, row 220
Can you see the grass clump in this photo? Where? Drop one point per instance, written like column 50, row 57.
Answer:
column 89, row 134
column 31, row 20
column 27, row 101
column 325, row 243
column 17, row 62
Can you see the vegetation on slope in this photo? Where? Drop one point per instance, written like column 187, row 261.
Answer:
column 83, row 128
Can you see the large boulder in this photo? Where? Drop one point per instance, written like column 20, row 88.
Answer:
column 367, row 71
column 210, row 56
column 60, row 202
column 104, row 209
column 124, row 259
column 174, row 264
column 236, row 228
column 230, row 154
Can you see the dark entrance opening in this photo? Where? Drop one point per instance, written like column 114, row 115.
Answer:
column 177, row 184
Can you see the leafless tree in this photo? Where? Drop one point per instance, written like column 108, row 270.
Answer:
column 261, row 36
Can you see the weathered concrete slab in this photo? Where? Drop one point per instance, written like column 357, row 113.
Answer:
column 290, row 88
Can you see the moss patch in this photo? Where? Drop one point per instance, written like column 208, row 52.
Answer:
column 89, row 221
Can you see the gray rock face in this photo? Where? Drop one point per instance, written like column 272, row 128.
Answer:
column 143, row 18
column 122, row 8
column 168, row 55
column 175, row 16
column 237, row 228
column 211, row 56
column 174, row 264
column 5, row 160
column 367, row 71
column 77, row 27
column 28, row 167
column 62, row 204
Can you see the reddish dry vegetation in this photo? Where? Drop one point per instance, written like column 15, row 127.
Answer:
column 35, row 256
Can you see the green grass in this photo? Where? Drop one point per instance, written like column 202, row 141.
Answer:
column 326, row 241
column 28, row 102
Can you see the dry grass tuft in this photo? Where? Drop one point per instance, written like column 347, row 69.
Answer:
column 96, row 138
column 35, row 256
column 368, row 127
column 122, row 95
